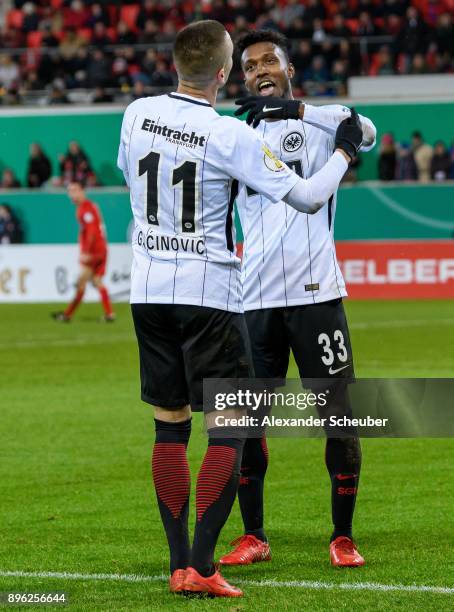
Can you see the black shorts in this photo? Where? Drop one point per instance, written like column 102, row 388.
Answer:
column 181, row 345
column 317, row 334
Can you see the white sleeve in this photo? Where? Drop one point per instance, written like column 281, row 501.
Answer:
column 248, row 158
column 328, row 118
column 309, row 195
column 369, row 134
column 125, row 137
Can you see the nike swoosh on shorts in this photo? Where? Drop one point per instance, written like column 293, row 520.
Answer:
column 331, row 371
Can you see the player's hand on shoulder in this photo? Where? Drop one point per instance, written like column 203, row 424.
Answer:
column 266, row 107
column 349, row 135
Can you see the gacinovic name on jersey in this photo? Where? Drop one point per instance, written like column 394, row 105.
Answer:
column 185, row 139
column 171, row 243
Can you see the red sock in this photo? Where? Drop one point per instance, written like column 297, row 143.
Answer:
column 107, row 306
column 75, row 303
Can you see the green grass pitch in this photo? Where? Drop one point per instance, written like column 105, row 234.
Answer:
column 76, row 493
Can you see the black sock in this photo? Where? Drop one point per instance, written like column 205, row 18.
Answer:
column 343, row 460
column 172, row 483
column 250, row 490
column 217, row 486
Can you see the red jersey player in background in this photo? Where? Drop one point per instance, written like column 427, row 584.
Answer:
column 93, row 253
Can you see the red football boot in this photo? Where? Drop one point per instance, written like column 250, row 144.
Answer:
column 213, row 586
column 249, row 549
column 176, row 581
column 343, row 553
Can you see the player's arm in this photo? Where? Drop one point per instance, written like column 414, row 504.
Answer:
column 251, row 162
column 125, row 138
column 89, row 242
column 327, row 118
column 309, row 195
column 86, row 249
column 90, row 232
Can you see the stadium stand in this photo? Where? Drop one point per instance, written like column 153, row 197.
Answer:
column 59, row 50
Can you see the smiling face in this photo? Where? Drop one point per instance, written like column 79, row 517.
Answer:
column 267, row 71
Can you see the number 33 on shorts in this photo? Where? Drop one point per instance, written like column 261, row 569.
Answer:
column 334, row 349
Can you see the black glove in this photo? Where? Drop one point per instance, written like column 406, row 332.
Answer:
column 349, row 135
column 265, row 107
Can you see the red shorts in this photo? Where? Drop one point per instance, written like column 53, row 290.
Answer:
column 97, row 264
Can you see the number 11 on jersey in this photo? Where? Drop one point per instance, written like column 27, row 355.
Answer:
column 186, row 174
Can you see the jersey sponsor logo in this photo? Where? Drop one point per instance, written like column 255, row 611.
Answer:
column 331, row 371
column 312, row 287
column 271, row 161
column 178, row 137
column 168, row 243
column 292, row 142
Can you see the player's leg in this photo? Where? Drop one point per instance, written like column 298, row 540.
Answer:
column 99, row 269
column 85, row 275
column 172, row 483
column 270, row 355
column 322, row 350
column 343, row 461
column 216, row 346
column 163, row 385
column 217, row 485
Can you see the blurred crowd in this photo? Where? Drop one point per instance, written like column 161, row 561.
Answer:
column 415, row 160
column 74, row 165
column 114, row 49
column 10, row 226
column 397, row 161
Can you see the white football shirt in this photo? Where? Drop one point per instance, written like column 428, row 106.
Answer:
column 180, row 159
column 289, row 258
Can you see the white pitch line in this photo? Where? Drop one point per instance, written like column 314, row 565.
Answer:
column 350, row 586
column 112, row 338
column 407, row 323
column 298, row 584
column 76, row 341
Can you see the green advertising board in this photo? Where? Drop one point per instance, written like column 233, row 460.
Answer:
column 367, row 211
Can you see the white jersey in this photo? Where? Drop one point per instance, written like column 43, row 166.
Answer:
column 180, row 159
column 289, row 258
